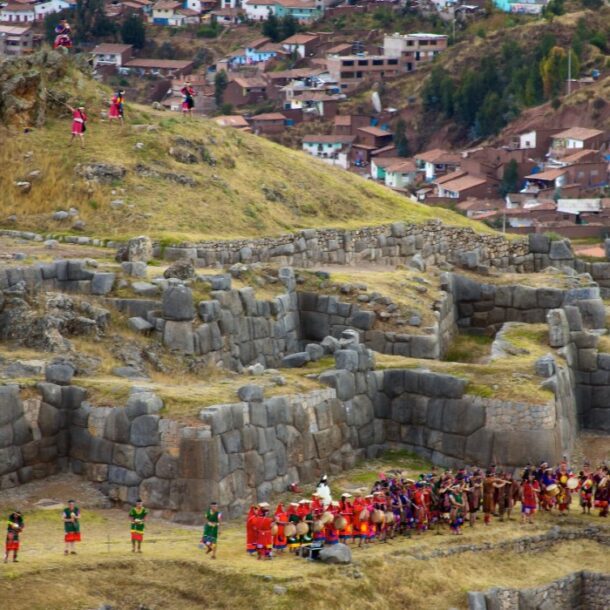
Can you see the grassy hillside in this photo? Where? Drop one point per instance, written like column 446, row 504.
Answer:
column 237, row 184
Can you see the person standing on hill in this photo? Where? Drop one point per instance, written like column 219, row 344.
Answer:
column 15, row 526
column 117, row 108
column 71, row 519
column 137, row 516
column 188, row 98
column 79, row 124
column 210, row 531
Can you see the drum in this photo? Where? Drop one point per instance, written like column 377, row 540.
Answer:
column 390, row 517
column 302, row 528
column 552, row 490
column 364, row 515
column 378, row 516
column 274, row 529
column 326, row 517
column 318, row 526
column 340, row 523
column 572, row 483
column 290, row 530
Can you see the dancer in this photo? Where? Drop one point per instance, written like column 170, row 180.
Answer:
column 71, row 519
column 188, row 102
column 138, row 517
column 117, row 108
column 79, row 124
column 15, row 525
column 210, row 531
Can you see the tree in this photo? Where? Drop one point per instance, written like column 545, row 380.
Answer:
column 90, row 20
column 400, row 139
column 133, row 32
column 288, row 26
column 510, row 178
column 553, row 70
column 271, row 28
column 592, row 4
column 220, row 84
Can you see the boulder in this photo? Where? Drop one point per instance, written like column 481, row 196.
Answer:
column 315, row 351
column 297, row 360
column 561, row 250
column 336, row 554
column 363, row 320
column 134, row 269
column 539, row 243
column 60, row 373
column 139, row 325
column 545, row 366
column 179, row 336
column 251, row 393
column 139, row 249
column 343, row 382
column 330, row 344
column 143, row 403
column 182, row 269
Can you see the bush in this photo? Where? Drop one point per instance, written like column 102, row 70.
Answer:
column 209, row 31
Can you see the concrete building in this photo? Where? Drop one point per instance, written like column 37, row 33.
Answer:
column 578, row 138
column 114, row 55
column 352, row 70
column 414, row 48
column 15, row 40
column 18, row 13
column 174, row 68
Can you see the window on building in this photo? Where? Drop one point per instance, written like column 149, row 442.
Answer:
column 363, row 62
column 392, row 62
column 378, row 62
column 347, row 75
column 348, row 62
column 358, row 74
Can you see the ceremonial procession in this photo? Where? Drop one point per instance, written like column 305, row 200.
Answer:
column 398, row 506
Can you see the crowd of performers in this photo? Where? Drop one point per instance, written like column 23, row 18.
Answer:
column 399, row 506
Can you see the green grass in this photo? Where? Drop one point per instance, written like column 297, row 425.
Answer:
column 469, row 348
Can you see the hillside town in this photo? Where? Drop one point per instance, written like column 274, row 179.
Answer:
column 300, row 90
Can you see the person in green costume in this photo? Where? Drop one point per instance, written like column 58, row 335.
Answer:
column 210, row 531
column 71, row 519
column 137, row 516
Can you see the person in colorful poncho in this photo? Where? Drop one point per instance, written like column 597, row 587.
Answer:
column 210, row 531
column 14, row 528
column 71, row 519
column 138, row 517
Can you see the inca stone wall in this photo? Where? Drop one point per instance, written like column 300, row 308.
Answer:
column 387, row 244
column 322, row 315
column 578, row 591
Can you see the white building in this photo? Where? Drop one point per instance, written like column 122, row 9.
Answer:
column 108, row 54
column 258, row 10
column 18, row 13
column 327, row 147
column 42, row 9
column 400, row 174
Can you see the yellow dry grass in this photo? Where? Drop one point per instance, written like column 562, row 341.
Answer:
column 255, row 187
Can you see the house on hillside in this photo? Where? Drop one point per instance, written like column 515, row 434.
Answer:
column 348, row 124
column 333, row 149
column 173, row 68
column 245, row 90
column 18, row 13
column 16, row 40
column 400, row 174
column 48, row 7
column 352, row 70
column 173, row 13
column 268, row 123
column 303, row 45
column 535, row 141
column 577, row 138
column 113, row 55
column 460, row 185
column 414, row 49
column 237, row 121
column 436, row 162
column 304, row 11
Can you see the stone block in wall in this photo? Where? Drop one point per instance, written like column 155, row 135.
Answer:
column 125, row 456
column 466, row 289
column 400, row 410
column 10, row 460
column 346, row 359
column 167, row 467
column 603, row 361
column 178, row 303
column 524, row 297
column 425, row 346
column 100, row 450
column 22, row 432
column 574, row 318
column 434, row 384
column 539, row 243
column 144, row 431
column 145, row 460
column 278, row 411
column 518, row 447
column 80, row 443
column 51, row 393
column 462, row 416
column 583, row 293
column 597, row 419
column 122, row 476
column 362, row 319
column 179, row 336
column 504, row 296
column 559, row 331
column 102, row 283
column 587, row 359
column 549, row 298
column 593, row 312
column 478, row 447
column 59, row 373
column 143, row 403
column 342, row 381
column 155, row 492
column 453, row 445
column 117, row 426
column 434, row 413
column 560, row 250
column 96, row 472
column 49, row 419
